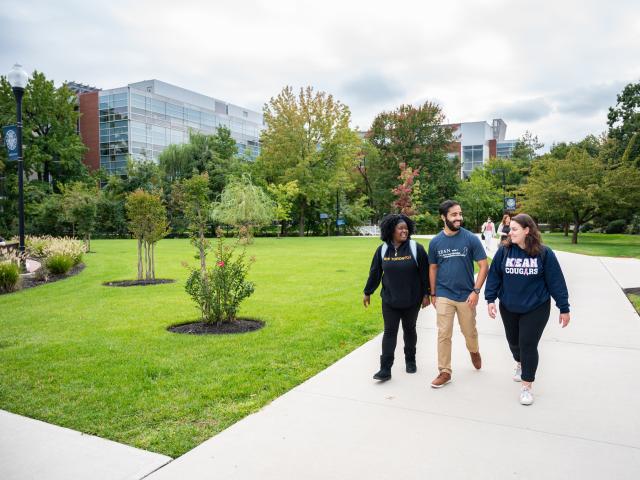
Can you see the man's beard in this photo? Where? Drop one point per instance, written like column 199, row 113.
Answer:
column 451, row 226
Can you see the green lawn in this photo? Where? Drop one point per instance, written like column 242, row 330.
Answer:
column 635, row 301
column 600, row 244
column 100, row 360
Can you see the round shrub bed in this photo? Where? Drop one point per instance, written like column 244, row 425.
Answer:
column 138, row 283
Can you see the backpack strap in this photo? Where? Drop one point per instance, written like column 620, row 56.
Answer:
column 412, row 245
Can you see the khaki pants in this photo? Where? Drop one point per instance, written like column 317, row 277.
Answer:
column 446, row 310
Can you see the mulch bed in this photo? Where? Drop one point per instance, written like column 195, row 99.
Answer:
column 33, row 282
column 635, row 291
column 138, row 283
column 241, row 325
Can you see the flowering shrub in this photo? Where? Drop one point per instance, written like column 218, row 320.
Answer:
column 220, row 289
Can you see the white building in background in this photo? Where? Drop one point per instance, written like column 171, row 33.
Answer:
column 476, row 142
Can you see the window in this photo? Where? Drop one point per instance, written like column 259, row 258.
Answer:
column 472, row 157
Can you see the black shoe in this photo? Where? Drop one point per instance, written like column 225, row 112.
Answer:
column 383, row 374
column 411, row 366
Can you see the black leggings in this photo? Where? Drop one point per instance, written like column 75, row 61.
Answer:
column 523, row 334
column 392, row 318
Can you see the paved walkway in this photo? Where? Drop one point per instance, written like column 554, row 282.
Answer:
column 340, row 424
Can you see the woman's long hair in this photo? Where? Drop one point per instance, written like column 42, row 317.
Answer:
column 533, row 240
column 504, row 219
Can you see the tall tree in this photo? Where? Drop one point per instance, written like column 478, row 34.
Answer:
column 624, row 125
column 479, row 198
column 52, row 148
column 417, row 137
column 307, row 139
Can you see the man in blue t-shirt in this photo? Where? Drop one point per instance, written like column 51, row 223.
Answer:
column 453, row 287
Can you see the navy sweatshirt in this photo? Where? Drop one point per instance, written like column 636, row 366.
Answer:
column 404, row 283
column 523, row 283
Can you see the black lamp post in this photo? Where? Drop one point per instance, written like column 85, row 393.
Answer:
column 18, row 80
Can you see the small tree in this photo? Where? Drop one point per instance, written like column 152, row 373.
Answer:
column 80, row 210
column 283, row 196
column 243, row 204
column 192, row 195
column 148, row 224
column 404, row 192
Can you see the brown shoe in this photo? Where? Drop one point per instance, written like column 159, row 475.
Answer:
column 441, row 380
column 476, row 360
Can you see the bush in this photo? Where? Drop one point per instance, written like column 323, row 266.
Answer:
column 47, row 246
column 587, row 227
column 426, row 223
column 616, row 226
column 634, row 226
column 59, row 263
column 220, row 290
column 9, row 276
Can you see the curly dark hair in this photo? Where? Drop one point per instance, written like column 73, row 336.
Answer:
column 388, row 226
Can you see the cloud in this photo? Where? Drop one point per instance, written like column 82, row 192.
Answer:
column 588, row 100
column 530, row 110
column 371, row 87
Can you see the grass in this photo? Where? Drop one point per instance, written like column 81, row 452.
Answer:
column 635, row 301
column 599, row 244
column 100, row 360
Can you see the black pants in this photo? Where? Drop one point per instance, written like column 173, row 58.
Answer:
column 392, row 318
column 523, row 334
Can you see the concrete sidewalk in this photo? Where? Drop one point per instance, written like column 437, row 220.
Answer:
column 34, row 450
column 341, row 424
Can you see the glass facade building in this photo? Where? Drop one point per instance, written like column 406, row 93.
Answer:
column 142, row 119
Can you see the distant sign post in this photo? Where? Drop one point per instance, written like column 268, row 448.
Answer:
column 510, row 204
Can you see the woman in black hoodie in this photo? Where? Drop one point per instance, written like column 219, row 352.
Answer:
column 403, row 267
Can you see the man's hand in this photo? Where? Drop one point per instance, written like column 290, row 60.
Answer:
column 472, row 299
column 425, row 301
column 366, row 300
column 433, row 300
column 564, row 319
column 492, row 310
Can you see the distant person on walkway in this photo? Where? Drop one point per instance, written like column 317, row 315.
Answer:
column 523, row 275
column 402, row 265
column 503, row 228
column 453, row 288
column 488, row 231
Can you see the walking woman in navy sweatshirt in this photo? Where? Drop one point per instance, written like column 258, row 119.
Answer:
column 524, row 275
column 403, row 267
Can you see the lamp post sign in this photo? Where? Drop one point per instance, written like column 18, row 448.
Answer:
column 510, row 204
column 10, row 137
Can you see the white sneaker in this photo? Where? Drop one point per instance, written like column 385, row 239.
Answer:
column 526, row 397
column 517, row 373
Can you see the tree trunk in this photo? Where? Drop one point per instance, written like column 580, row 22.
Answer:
column 301, row 221
column 153, row 261
column 565, row 227
column 576, row 229
column 139, row 259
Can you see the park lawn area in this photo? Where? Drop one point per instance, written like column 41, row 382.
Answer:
column 99, row 359
column 599, row 244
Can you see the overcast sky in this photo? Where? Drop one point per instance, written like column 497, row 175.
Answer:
column 551, row 67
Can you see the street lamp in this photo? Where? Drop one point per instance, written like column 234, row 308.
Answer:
column 18, row 80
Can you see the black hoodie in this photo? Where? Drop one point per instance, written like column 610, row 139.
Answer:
column 404, row 283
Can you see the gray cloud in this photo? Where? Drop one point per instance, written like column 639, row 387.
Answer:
column 529, row 110
column 588, row 100
column 371, row 87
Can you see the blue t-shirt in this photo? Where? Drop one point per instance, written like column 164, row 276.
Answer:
column 454, row 256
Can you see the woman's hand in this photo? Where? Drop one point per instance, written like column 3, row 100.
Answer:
column 425, row 301
column 366, row 300
column 564, row 319
column 492, row 310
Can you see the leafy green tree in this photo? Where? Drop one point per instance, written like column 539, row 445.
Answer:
column 624, row 125
column 415, row 136
column 52, row 148
column 80, row 209
column 243, row 204
column 148, row 224
column 307, row 139
column 283, row 196
column 479, row 198
column 579, row 187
